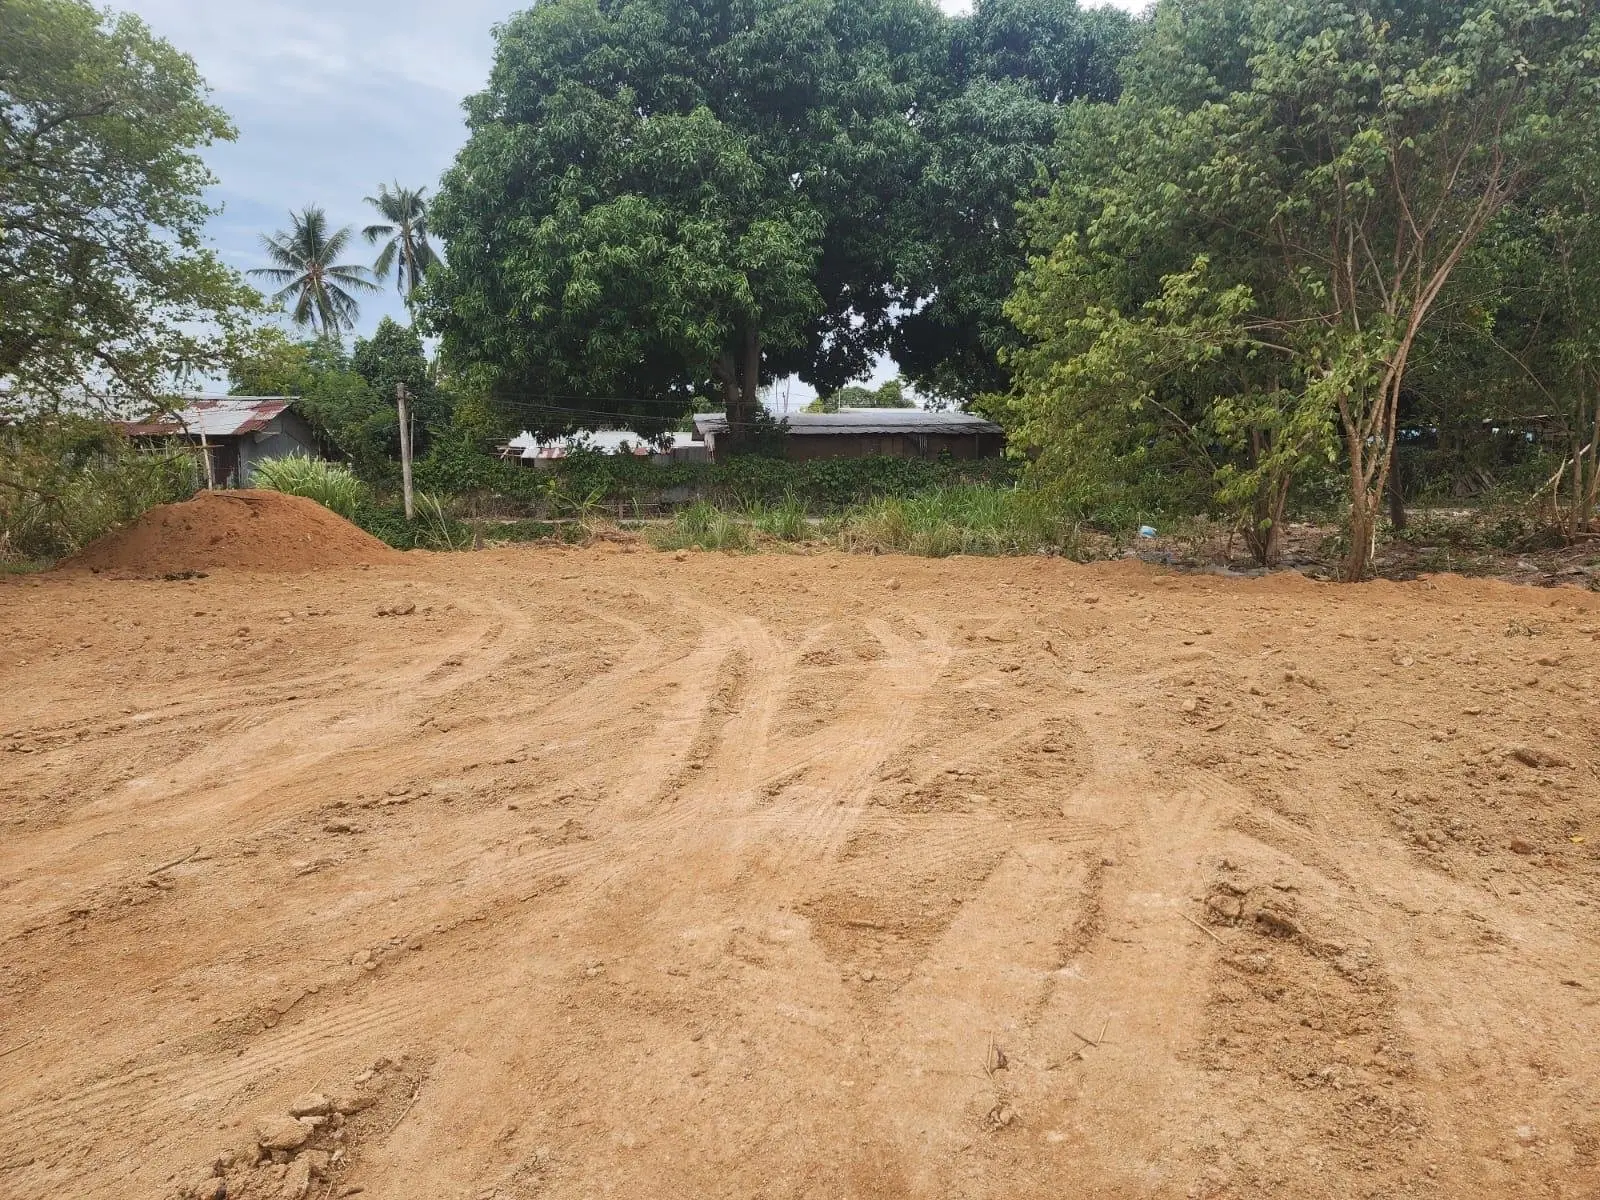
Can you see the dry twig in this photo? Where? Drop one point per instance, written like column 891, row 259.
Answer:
column 1210, row 933
column 177, row 862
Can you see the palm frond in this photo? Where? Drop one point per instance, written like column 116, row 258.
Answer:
column 385, row 262
column 352, row 276
column 336, row 242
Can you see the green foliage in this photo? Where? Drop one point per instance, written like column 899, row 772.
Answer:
column 346, row 410
column 457, row 466
column 1184, row 296
column 331, row 485
column 821, row 486
column 107, row 294
column 702, row 526
column 889, row 394
column 65, row 481
column 963, row 520
column 1013, row 66
column 785, row 521
column 659, row 201
column 394, row 355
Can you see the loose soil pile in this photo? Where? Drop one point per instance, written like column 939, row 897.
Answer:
column 251, row 530
column 540, row 874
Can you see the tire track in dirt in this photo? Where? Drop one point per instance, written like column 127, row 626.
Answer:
column 137, row 1092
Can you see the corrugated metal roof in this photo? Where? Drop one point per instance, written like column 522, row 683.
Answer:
column 215, row 416
column 876, row 421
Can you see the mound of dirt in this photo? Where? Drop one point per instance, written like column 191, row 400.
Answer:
column 253, row 530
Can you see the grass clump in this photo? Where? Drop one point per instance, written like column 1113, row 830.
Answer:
column 702, row 526
column 785, row 521
column 963, row 519
column 332, row 485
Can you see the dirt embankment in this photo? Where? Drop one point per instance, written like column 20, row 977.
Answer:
column 601, row 873
column 245, row 529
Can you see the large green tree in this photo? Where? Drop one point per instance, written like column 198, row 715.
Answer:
column 109, row 297
column 990, row 144
column 662, row 199
column 1280, row 199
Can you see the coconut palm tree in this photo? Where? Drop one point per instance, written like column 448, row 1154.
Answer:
column 406, row 251
column 320, row 286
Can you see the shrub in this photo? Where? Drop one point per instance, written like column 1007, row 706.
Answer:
column 332, row 485
column 66, row 481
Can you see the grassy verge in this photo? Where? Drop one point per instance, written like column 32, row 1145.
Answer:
column 965, row 519
column 962, row 519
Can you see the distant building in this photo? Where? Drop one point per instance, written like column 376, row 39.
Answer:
column 859, row 432
column 533, row 451
column 236, row 432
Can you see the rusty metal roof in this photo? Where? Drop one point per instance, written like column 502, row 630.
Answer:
column 214, row 416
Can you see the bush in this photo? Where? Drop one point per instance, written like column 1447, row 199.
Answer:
column 66, row 481
column 331, row 485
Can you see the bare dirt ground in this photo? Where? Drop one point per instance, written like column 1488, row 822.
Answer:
column 612, row 873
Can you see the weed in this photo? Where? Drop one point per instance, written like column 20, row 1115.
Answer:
column 65, row 482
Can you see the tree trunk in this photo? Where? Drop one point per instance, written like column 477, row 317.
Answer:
column 1585, row 458
column 741, row 387
column 1263, row 533
column 752, row 373
column 1363, row 512
column 1397, row 498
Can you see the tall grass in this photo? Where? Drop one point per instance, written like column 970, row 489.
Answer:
column 332, row 485
column 964, row 519
column 786, row 521
column 436, row 529
column 702, row 526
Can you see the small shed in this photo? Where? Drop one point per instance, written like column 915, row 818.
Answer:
column 860, row 432
column 236, row 432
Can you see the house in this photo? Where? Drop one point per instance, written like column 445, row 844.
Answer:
column 859, row 432
column 236, row 432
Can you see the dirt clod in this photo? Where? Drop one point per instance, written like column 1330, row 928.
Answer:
column 282, row 1133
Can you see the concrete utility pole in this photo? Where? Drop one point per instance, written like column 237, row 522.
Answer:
column 405, row 448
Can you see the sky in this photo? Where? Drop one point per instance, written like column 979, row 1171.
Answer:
column 332, row 98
